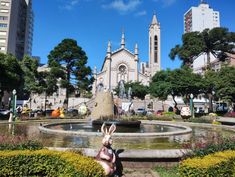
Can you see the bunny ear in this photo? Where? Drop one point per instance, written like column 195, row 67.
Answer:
column 102, row 128
column 112, row 129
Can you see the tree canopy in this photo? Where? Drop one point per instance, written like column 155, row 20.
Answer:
column 70, row 59
column 217, row 41
column 31, row 76
column 138, row 90
column 11, row 72
column 179, row 82
column 225, row 85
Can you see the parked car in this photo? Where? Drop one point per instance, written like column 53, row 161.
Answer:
column 36, row 112
column 141, row 111
column 200, row 110
column 150, row 112
column 72, row 112
column 48, row 112
column 4, row 114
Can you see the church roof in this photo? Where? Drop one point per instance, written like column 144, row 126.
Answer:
column 154, row 20
column 117, row 51
column 120, row 49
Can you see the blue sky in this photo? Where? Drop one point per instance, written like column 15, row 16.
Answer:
column 93, row 22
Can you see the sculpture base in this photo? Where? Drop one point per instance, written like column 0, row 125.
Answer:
column 124, row 123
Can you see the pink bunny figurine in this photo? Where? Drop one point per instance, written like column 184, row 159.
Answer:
column 106, row 156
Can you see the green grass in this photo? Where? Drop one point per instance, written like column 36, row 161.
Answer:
column 167, row 171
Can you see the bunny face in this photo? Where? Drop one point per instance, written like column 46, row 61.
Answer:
column 107, row 140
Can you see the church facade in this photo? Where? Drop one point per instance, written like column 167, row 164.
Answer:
column 124, row 65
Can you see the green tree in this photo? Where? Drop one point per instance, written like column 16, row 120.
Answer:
column 160, row 86
column 217, row 41
column 179, row 82
column 138, row 90
column 11, row 73
column 209, row 86
column 31, row 77
column 70, row 58
column 225, row 85
column 47, row 83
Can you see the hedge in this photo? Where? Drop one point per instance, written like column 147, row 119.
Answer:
column 213, row 165
column 48, row 163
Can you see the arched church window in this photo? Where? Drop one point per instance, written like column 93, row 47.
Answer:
column 122, row 69
column 122, row 73
column 100, row 87
column 155, row 49
column 155, row 57
column 155, row 42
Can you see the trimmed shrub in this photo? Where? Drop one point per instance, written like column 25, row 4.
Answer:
column 216, row 165
column 48, row 163
column 168, row 113
column 211, row 145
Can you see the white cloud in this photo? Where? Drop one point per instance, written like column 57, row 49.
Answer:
column 70, row 4
column 123, row 7
column 166, row 3
column 141, row 13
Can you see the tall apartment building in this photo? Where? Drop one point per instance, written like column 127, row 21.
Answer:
column 16, row 27
column 200, row 18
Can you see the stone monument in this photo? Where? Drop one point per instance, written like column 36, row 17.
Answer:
column 104, row 105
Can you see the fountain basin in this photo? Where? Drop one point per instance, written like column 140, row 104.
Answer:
column 60, row 128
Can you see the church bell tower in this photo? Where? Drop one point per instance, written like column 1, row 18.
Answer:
column 154, row 46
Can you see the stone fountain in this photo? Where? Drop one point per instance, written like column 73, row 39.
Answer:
column 103, row 111
column 104, row 105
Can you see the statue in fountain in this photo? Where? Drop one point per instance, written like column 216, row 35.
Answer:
column 122, row 93
column 106, row 156
column 129, row 94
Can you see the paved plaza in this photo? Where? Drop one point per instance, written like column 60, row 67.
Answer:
column 139, row 172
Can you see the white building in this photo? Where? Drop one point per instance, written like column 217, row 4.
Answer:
column 200, row 18
column 16, row 27
column 122, row 64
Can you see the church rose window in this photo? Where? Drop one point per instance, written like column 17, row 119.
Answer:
column 122, row 69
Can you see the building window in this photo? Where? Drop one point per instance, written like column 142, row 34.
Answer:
column 3, row 33
column 122, row 69
column 155, row 57
column 2, row 40
column 3, row 25
column 122, row 75
column 2, row 48
column 155, row 49
column 4, row 10
column 5, row 4
column 3, row 18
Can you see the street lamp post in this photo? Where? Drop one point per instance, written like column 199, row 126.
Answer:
column 14, row 96
column 191, row 105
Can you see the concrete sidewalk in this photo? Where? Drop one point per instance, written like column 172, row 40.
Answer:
column 139, row 172
column 226, row 120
